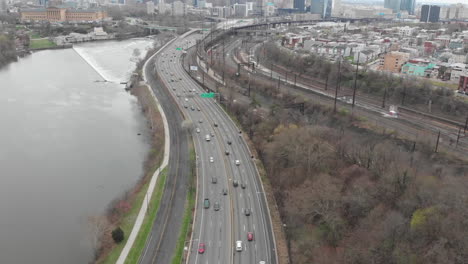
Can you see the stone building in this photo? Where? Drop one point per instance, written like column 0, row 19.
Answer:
column 61, row 14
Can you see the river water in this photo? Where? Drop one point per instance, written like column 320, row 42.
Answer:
column 69, row 145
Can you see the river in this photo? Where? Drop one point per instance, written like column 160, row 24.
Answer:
column 69, row 145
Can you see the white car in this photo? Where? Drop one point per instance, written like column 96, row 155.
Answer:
column 198, row 130
column 238, row 245
column 211, row 159
column 237, row 162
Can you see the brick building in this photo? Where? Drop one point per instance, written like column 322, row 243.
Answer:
column 463, row 84
column 61, row 14
column 393, row 61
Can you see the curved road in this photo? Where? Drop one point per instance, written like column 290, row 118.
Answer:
column 218, row 230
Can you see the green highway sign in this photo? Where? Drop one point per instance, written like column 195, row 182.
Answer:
column 178, row 48
column 205, row 29
column 207, row 95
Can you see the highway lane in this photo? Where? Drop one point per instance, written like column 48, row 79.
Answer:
column 211, row 225
column 218, row 230
column 161, row 243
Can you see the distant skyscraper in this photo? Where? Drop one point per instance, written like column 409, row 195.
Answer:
column 401, row 5
column 408, row 5
column 299, row 4
column 430, row 13
column 322, row 7
column 43, row 3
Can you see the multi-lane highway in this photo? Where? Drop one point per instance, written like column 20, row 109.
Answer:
column 223, row 159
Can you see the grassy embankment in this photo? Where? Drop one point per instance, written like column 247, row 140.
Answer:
column 189, row 208
column 129, row 220
column 153, row 162
column 41, row 44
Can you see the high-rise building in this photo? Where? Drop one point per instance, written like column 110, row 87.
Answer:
column 430, row 13
column 401, row 5
column 299, row 4
column 322, row 7
column 44, row 3
column 408, row 5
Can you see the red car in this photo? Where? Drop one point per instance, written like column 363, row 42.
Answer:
column 201, row 248
column 250, row 236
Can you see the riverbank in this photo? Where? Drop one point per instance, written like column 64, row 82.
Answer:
column 123, row 211
column 110, row 251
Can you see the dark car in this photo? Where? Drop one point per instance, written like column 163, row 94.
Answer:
column 227, row 152
column 235, row 183
column 224, row 191
column 216, row 124
column 214, row 180
column 206, row 203
column 243, row 185
column 229, row 142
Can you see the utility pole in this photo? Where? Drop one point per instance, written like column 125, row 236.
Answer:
column 248, row 91
column 384, row 97
column 337, row 85
column 326, row 82
column 355, row 79
column 404, row 95
column 295, row 76
column 279, row 82
column 437, row 143
column 466, row 124
column 271, row 71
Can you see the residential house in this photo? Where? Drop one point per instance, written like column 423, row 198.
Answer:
column 418, row 67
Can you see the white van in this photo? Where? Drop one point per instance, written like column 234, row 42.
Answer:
column 238, row 245
column 208, row 138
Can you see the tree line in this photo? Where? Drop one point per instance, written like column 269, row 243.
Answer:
column 350, row 194
column 7, row 50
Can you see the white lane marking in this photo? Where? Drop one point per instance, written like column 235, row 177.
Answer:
column 244, row 228
column 253, row 227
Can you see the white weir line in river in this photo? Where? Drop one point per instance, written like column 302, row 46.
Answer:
column 93, row 65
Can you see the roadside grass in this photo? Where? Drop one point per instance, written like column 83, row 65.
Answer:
column 188, row 215
column 453, row 86
column 41, row 44
column 35, row 36
column 129, row 220
column 145, row 229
